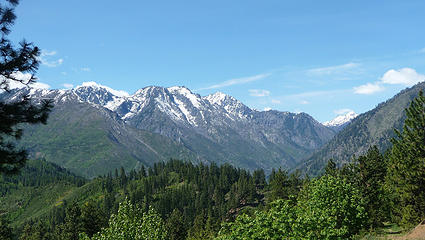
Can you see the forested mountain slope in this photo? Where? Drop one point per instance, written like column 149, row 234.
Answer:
column 375, row 127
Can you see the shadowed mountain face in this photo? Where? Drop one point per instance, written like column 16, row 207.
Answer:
column 94, row 129
column 375, row 127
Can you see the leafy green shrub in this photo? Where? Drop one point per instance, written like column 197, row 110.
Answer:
column 131, row 224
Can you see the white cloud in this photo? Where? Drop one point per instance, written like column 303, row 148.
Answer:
column 237, row 81
column 275, row 101
column 267, row 109
column 85, row 69
column 343, row 111
column 369, row 88
column 259, row 92
column 405, row 76
column 68, row 85
column 304, row 102
column 333, row 69
column 45, row 59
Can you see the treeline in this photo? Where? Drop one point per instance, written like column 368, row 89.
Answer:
column 193, row 200
column 38, row 173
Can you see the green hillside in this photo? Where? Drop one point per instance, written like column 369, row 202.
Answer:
column 90, row 141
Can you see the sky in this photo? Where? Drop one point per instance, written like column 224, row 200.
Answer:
column 324, row 58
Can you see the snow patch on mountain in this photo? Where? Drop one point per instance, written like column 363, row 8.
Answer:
column 118, row 93
column 341, row 119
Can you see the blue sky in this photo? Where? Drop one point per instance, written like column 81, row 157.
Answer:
column 318, row 57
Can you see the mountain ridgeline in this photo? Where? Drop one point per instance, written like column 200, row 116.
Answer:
column 375, row 127
column 94, row 129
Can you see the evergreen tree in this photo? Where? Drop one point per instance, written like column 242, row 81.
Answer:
column 259, row 178
column 176, row 227
column 15, row 63
column 72, row 226
column 331, row 168
column 92, row 218
column 279, row 185
column 371, row 171
column 406, row 167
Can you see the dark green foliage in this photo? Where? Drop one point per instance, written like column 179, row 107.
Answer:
column 6, row 232
column 283, row 186
column 406, row 167
column 15, row 62
column 176, row 227
column 36, row 231
column 279, row 185
column 371, row 172
column 71, row 228
column 92, row 218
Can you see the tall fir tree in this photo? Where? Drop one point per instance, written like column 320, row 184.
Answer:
column 406, row 167
column 371, row 171
column 17, row 65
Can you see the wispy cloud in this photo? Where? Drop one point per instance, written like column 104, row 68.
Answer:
column 45, row 59
column 422, row 50
column 259, row 92
column 333, row 69
column 369, row 88
column 237, row 81
column 85, row 69
column 404, row 76
column 275, row 101
column 304, row 102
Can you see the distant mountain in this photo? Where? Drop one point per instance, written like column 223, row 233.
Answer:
column 375, row 127
column 341, row 121
column 94, row 129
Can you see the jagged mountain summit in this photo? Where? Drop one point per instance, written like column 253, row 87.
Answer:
column 215, row 128
column 340, row 121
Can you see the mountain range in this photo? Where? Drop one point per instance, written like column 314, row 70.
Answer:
column 94, row 129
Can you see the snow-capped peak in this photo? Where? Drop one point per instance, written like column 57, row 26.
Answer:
column 118, row 93
column 193, row 98
column 217, row 98
column 341, row 119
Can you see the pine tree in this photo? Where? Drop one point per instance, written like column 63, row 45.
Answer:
column 371, row 171
column 406, row 167
column 72, row 227
column 92, row 218
column 15, row 62
column 279, row 185
column 176, row 227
